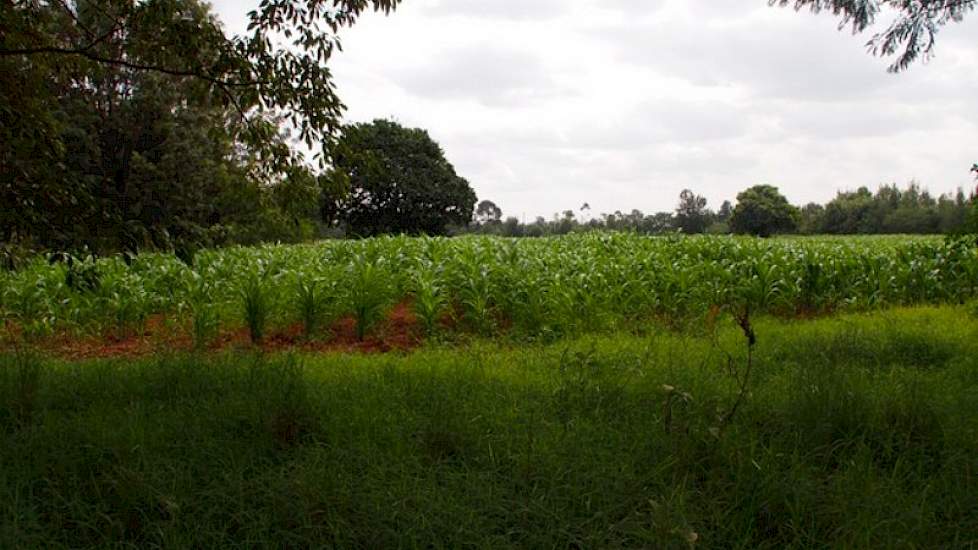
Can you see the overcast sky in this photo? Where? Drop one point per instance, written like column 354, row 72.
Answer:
column 549, row 104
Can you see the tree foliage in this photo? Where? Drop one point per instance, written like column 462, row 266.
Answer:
column 140, row 123
column 691, row 214
column 390, row 179
column 890, row 210
column 278, row 68
column 726, row 210
column 488, row 213
column 763, row 211
column 910, row 36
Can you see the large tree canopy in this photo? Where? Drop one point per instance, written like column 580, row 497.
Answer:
column 912, row 33
column 391, row 179
column 256, row 74
column 763, row 211
column 128, row 123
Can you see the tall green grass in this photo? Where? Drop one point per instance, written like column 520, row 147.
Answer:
column 859, row 431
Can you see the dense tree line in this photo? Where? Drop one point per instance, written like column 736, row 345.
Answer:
column 762, row 210
column 889, row 210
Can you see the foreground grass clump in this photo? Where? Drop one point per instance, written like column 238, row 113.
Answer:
column 860, row 431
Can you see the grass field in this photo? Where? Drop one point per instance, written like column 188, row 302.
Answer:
column 594, row 391
column 858, row 431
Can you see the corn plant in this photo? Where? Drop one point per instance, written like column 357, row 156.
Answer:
column 128, row 311
column 82, row 274
column 205, row 323
column 255, row 305
column 476, row 299
column 205, row 320
column 530, row 307
column 368, row 293
column 314, row 300
column 430, row 299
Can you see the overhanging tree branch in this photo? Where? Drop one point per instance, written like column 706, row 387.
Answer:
column 86, row 53
column 911, row 36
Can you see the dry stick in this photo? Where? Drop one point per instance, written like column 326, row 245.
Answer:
column 744, row 321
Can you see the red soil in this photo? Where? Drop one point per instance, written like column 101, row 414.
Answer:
column 157, row 334
column 399, row 331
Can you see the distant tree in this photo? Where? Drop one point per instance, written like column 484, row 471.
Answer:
column 726, row 210
column 512, row 227
column 390, row 179
column 719, row 223
column 565, row 223
column 911, row 35
column 972, row 224
column 538, row 228
column 763, row 211
column 691, row 214
column 810, row 216
column 488, row 213
column 848, row 213
column 952, row 212
column 890, row 210
column 660, row 222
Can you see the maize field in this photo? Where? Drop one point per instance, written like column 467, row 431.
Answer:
column 488, row 286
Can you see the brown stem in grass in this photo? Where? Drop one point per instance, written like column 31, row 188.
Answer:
column 743, row 320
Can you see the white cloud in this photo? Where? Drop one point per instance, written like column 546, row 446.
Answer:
column 486, row 73
column 546, row 105
column 503, row 9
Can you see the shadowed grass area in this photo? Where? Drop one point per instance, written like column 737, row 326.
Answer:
column 859, row 431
